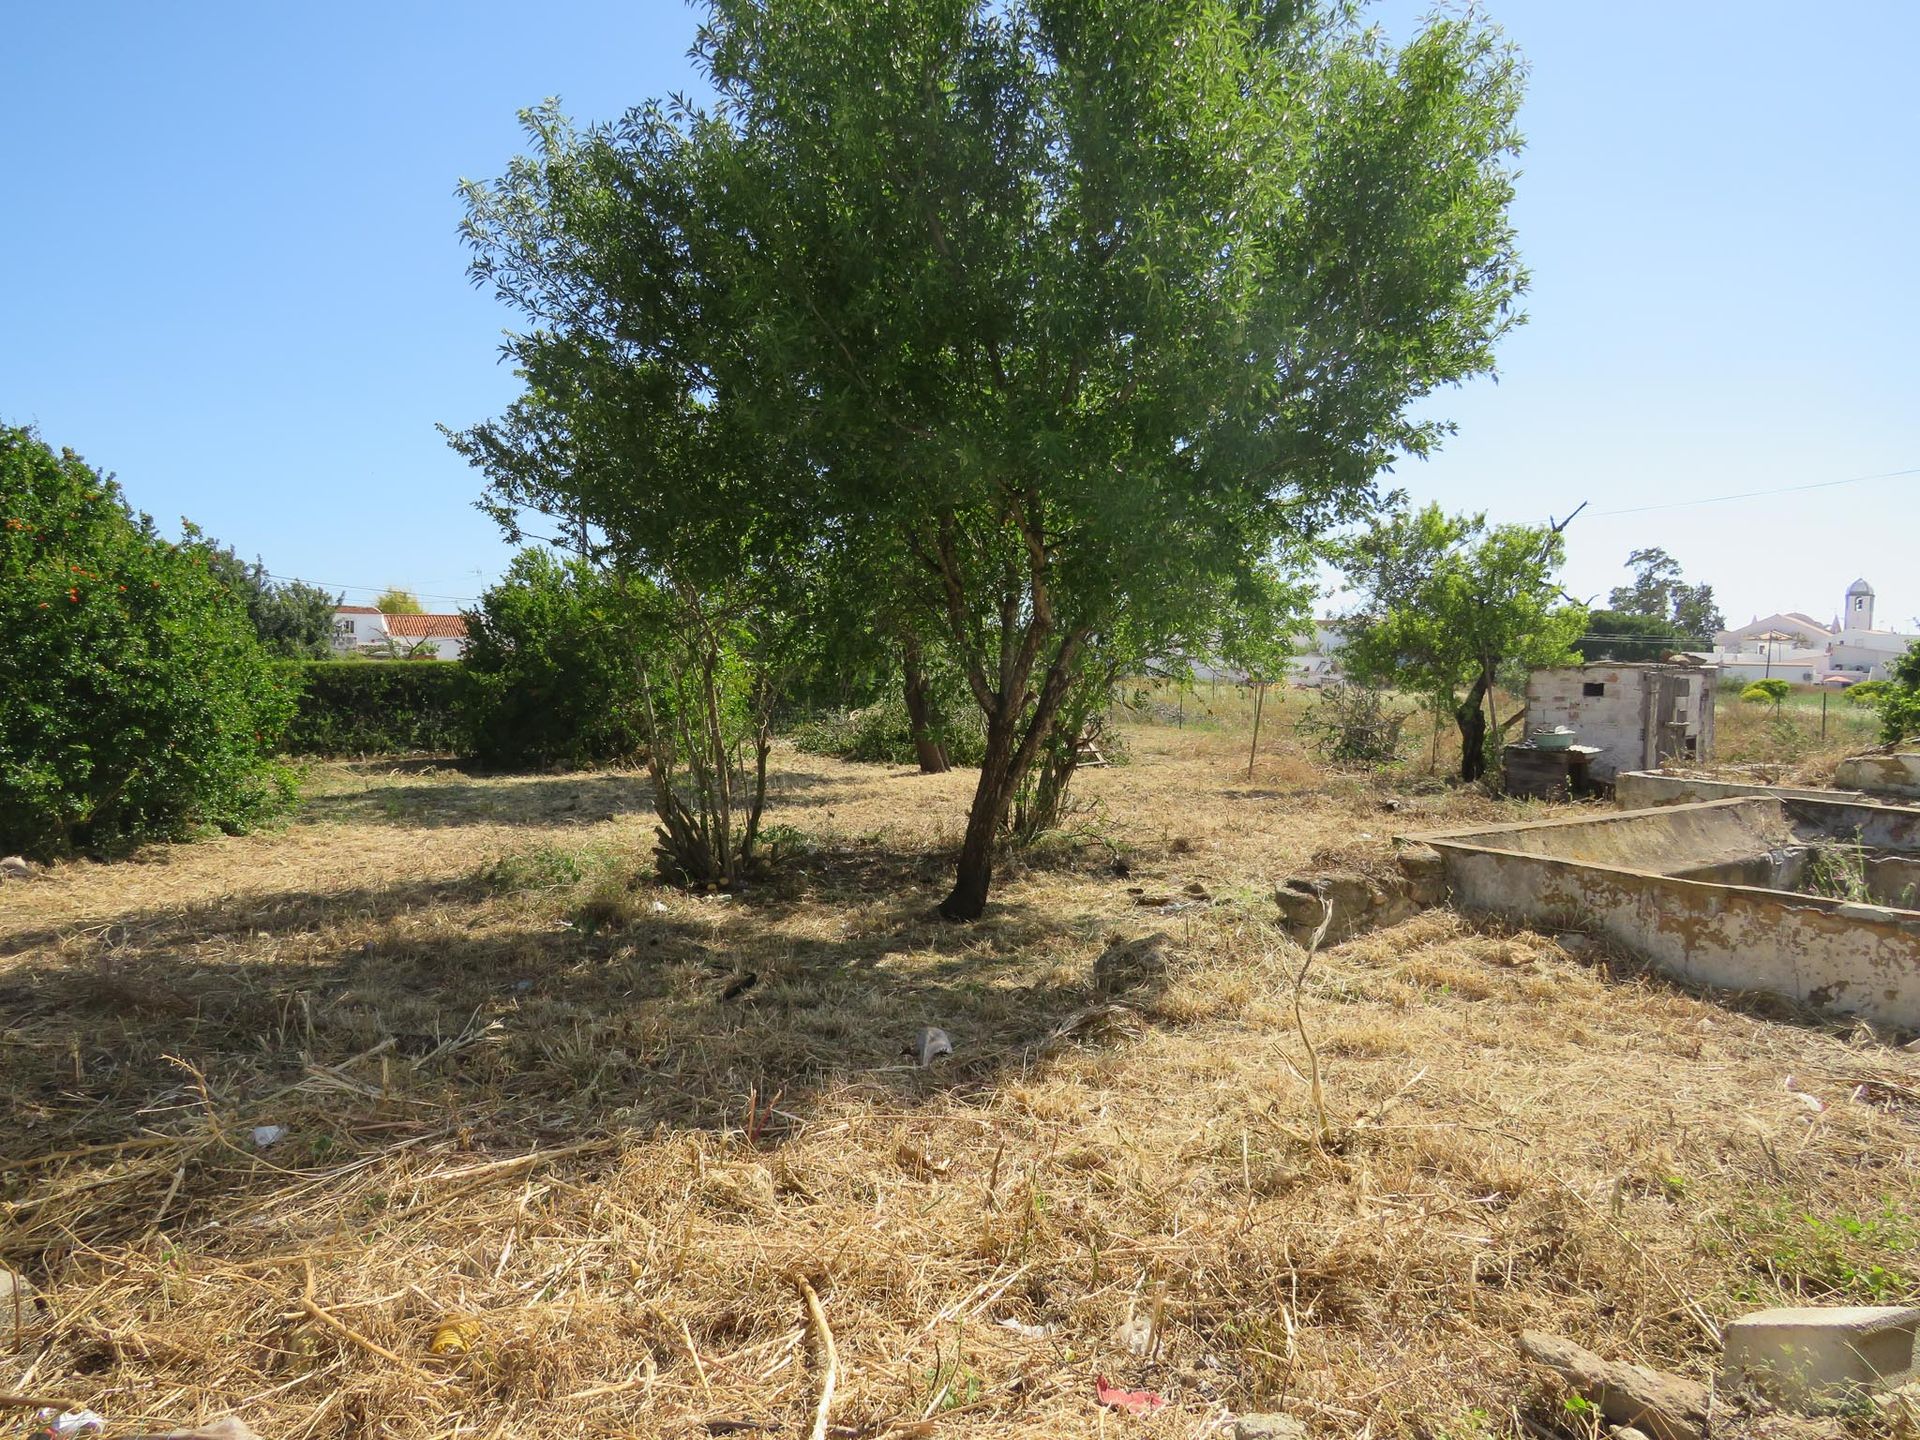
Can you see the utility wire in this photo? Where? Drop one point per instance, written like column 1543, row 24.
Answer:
column 1756, row 494
column 375, row 589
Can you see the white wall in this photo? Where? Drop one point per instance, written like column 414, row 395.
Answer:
column 351, row 632
column 1796, row 667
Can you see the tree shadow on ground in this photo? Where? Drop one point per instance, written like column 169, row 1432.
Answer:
column 578, row 799
column 455, row 1019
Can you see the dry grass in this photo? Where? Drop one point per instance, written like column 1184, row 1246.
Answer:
column 1794, row 745
column 560, row 1144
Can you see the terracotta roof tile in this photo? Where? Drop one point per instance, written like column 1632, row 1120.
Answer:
column 428, row 627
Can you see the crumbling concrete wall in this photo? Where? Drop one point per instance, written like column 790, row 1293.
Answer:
column 1349, row 902
column 1860, row 777
column 1877, row 826
column 1895, row 775
column 1664, row 840
column 1647, row 789
column 1856, row 958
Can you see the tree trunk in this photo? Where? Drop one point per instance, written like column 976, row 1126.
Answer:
column 1473, row 731
column 920, row 724
column 991, row 797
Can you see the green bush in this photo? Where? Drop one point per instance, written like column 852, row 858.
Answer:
column 1900, row 702
column 553, row 652
column 135, row 701
column 1866, row 692
column 374, row 707
column 1766, row 692
column 879, row 733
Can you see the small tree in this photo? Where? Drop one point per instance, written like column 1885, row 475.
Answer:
column 554, row 653
column 1448, row 605
column 1078, row 308
column 1767, row 692
column 1866, row 692
column 395, row 601
column 135, row 700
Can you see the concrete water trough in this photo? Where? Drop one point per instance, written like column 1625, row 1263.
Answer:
column 1894, row 778
column 1812, row 898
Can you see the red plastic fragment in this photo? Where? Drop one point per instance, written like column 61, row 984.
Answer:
column 1134, row 1402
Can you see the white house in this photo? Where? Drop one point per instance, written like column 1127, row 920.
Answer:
column 366, row 630
column 357, row 626
column 1317, row 663
column 1792, row 646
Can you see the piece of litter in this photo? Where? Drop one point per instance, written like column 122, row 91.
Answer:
column 1134, row 1402
column 930, row 1044
column 227, row 1427
column 522, row 986
column 1136, row 1334
column 658, row 907
column 1812, row 1102
column 454, row 1337
column 72, row 1422
column 1024, row 1330
column 265, row 1135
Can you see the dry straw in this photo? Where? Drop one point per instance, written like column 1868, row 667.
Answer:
column 566, row 1154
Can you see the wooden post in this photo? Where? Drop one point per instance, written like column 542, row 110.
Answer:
column 1823, row 714
column 1259, row 703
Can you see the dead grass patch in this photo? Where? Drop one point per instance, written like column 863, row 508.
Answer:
column 558, row 1141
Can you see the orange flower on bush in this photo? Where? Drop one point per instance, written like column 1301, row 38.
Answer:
column 74, row 595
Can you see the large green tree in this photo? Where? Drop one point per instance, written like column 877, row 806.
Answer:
column 1661, row 592
column 1629, row 635
column 1449, row 605
column 293, row 619
column 1076, row 310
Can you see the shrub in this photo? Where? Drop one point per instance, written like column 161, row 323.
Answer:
column 374, row 707
column 552, row 652
column 1866, row 692
column 1352, row 724
column 1766, row 692
column 879, row 733
column 135, row 702
column 1900, row 702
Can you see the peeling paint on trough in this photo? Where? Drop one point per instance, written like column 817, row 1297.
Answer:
column 1633, row 877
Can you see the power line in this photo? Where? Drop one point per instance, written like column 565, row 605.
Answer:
column 1756, row 494
column 376, row 589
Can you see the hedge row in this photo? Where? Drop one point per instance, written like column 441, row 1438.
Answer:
column 374, row 707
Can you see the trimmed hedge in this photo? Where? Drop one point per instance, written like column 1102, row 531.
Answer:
column 375, row 707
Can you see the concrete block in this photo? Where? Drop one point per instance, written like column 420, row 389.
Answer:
column 1805, row 1354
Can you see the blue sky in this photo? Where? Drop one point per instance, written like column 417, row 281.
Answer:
column 233, row 278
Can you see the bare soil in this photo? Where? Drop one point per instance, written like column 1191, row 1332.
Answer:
column 560, row 1144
